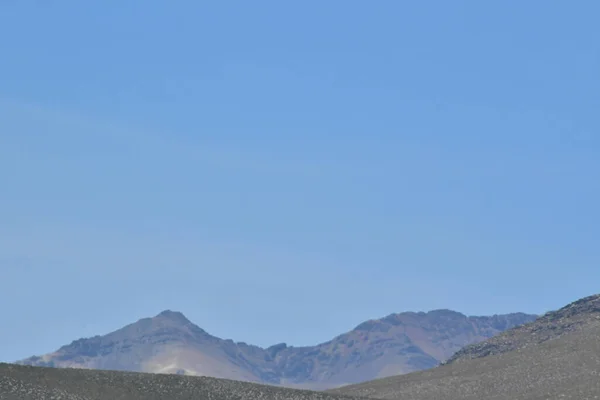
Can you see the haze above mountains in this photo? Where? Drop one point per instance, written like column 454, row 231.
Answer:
column 397, row 344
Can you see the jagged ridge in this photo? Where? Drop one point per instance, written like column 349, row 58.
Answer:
column 396, row 344
column 557, row 356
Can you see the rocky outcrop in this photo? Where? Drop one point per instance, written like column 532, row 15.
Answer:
column 550, row 326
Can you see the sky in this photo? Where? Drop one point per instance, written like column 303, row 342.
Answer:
column 282, row 171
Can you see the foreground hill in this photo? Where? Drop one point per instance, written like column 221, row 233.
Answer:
column 396, row 344
column 570, row 318
column 555, row 357
column 38, row 383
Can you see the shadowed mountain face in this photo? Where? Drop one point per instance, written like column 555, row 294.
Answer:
column 170, row 343
column 555, row 357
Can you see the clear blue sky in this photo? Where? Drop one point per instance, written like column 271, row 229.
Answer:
column 282, row 171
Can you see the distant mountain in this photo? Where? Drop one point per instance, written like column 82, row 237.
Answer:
column 554, row 357
column 396, row 344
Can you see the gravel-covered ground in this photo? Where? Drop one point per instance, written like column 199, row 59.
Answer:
column 565, row 368
column 38, row 383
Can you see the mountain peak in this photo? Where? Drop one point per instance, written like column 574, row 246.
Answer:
column 169, row 343
column 444, row 312
column 174, row 316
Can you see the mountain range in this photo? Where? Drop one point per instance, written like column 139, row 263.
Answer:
column 554, row 357
column 397, row 344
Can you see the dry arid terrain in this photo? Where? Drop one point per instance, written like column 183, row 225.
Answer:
column 396, row 344
column 555, row 357
column 571, row 318
column 19, row 382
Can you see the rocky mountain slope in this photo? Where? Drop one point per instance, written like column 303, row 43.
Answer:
column 396, row 344
column 555, row 357
column 552, row 325
column 39, row 383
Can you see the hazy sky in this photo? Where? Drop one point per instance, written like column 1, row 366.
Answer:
column 282, row 171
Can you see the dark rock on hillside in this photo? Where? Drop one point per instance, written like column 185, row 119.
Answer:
column 552, row 325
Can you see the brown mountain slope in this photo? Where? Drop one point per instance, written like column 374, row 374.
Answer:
column 396, row 344
column 39, row 383
column 559, row 366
